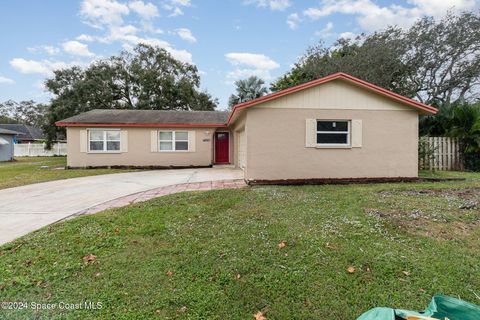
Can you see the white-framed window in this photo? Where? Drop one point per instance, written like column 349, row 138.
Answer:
column 333, row 132
column 102, row 140
column 173, row 140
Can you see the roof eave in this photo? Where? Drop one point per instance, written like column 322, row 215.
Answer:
column 149, row 125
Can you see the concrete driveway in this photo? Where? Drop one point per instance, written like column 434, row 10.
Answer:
column 28, row 208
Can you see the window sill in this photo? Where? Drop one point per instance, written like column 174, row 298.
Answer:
column 172, row 151
column 104, row 152
column 333, row 146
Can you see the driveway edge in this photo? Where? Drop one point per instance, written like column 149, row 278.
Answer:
column 160, row 192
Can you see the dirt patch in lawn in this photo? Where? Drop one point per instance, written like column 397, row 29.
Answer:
column 418, row 224
column 444, row 214
column 470, row 195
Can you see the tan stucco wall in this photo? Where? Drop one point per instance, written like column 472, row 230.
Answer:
column 139, row 152
column 277, row 150
column 276, row 136
column 236, row 128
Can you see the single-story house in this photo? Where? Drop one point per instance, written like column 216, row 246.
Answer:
column 336, row 127
column 6, row 144
column 28, row 133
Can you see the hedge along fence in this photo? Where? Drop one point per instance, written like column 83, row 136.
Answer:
column 38, row 150
column 440, row 153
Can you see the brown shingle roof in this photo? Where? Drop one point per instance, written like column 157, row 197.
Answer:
column 100, row 116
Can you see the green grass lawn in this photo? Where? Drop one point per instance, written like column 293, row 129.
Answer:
column 28, row 170
column 216, row 254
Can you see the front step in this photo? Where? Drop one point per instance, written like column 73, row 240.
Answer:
column 223, row 166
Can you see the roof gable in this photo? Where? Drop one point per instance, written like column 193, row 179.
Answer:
column 360, row 83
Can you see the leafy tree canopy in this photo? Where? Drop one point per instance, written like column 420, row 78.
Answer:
column 26, row 112
column 435, row 62
column 146, row 78
column 247, row 89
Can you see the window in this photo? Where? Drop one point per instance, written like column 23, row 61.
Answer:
column 173, row 140
column 104, row 140
column 333, row 132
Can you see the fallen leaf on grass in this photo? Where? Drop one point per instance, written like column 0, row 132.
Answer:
column 351, row 270
column 238, row 276
column 286, row 254
column 48, row 295
column 329, row 245
column 169, row 273
column 97, row 274
column 407, row 273
column 183, row 309
column 282, row 245
column 259, row 316
column 89, row 258
column 117, row 231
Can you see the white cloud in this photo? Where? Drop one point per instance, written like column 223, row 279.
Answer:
column 101, row 13
column 85, row 37
column 50, row 50
column 5, row 80
column 176, row 12
column 279, row 5
column 29, row 66
column 109, row 15
column 44, row 67
column 182, row 55
column 185, row 34
column 77, row 48
column 120, row 33
column 347, row 35
column 130, row 35
column 293, row 20
column 372, row 16
column 174, row 6
column 146, row 11
column 326, row 32
column 259, row 61
column 130, row 40
column 183, row 3
column 248, row 64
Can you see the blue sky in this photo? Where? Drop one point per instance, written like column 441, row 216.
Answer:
column 226, row 39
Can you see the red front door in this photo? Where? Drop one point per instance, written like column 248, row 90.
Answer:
column 221, row 147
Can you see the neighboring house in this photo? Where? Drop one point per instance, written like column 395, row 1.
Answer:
column 29, row 133
column 6, row 144
column 336, row 127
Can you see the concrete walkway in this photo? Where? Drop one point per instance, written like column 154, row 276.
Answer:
column 28, row 208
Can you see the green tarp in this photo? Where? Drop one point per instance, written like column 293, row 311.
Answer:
column 440, row 307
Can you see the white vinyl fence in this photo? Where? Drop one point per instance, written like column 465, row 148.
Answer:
column 38, row 150
column 443, row 154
